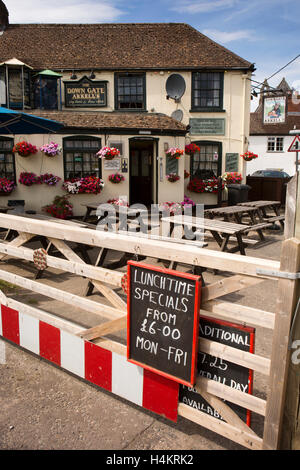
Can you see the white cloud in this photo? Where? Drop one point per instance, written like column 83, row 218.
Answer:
column 224, row 37
column 202, row 6
column 62, row 11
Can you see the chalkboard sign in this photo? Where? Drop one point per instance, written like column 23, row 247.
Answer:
column 163, row 321
column 232, row 162
column 218, row 369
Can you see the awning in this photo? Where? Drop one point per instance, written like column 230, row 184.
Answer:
column 16, row 122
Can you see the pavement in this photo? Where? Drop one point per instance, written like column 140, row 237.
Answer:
column 46, row 408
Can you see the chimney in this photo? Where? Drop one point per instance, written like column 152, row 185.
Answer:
column 3, row 17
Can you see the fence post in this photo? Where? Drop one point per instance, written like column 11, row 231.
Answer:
column 281, row 402
column 291, row 206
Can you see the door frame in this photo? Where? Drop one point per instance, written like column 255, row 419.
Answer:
column 155, row 141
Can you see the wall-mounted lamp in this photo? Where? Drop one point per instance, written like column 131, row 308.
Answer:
column 73, row 76
column 92, row 75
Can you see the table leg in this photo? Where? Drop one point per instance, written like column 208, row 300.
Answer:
column 87, row 214
column 240, row 243
column 217, row 237
column 99, row 262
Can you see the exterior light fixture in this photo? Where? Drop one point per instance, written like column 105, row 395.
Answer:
column 92, row 75
column 73, row 76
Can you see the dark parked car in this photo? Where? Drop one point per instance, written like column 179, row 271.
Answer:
column 271, row 174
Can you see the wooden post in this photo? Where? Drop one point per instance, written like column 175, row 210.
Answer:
column 297, row 218
column 291, row 207
column 290, row 438
column 282, row 403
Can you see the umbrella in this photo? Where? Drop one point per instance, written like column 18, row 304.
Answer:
column 16, row 122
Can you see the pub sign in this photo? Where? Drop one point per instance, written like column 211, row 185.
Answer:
column 85, row 93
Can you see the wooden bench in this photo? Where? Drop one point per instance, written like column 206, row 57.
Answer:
column 220, row 230
column 277, row 218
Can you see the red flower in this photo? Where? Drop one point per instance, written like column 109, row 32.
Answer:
column 191, row 149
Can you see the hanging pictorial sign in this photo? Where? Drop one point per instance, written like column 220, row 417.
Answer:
column 274, row 110
column 85, row 93
column 163, row 327
column 224, row 372
column 295, row 145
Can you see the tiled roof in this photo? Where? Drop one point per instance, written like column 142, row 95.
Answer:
column 114, row 120
column 115, row 46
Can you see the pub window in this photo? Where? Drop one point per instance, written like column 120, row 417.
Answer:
column 275, row 144
column 208, row 162
column 130, row 91
column 207, row 90
column 45, row 92
column 15, row 88
column 7, row 159
column 80, row 158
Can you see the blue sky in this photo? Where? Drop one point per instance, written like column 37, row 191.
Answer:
column 265, row 32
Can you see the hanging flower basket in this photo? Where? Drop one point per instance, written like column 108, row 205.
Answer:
column 108, row 153
column 87, row 185
column 186, row 174
column 29, row 179
column 24, row 149
column 49, row 179
column 172, row 177
column 116, row 178
column 248, row 156
column 6, row 186
column 51, row 150
column 232, row 177
column 191, row 149
column 174, row 152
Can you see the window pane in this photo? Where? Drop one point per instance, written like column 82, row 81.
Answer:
column 82, row 160
column 130, row 91
column 203, row 164
column 208, row 87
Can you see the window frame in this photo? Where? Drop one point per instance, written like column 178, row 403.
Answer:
column 220, row 153
column 2, row 139
column 221, row 93
column 275, row 140
column 130, row 74
column 80, row 150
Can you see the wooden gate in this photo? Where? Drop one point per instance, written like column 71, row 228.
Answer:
column 85, row 352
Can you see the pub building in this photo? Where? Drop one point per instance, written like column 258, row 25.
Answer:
column 141, row 88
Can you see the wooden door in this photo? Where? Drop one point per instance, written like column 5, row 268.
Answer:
column 141, row 174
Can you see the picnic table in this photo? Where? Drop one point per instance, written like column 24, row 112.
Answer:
column 221, row 231
column 263, row 206
column 238, row 212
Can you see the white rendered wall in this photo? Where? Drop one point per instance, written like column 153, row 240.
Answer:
column 280, row 160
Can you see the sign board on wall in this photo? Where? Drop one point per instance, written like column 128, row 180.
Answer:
column 232, row 162
column 85, row 93
column 274, row 110
column 114, row 164
column 224, row 372
column 205, row 126
column 163, row 312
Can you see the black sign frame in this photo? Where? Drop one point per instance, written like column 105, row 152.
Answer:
column 83, row 102
column 187, row 375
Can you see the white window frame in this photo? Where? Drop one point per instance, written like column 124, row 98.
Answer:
column 278, row 144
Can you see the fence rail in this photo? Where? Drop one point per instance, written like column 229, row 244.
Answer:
column 79, row 342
